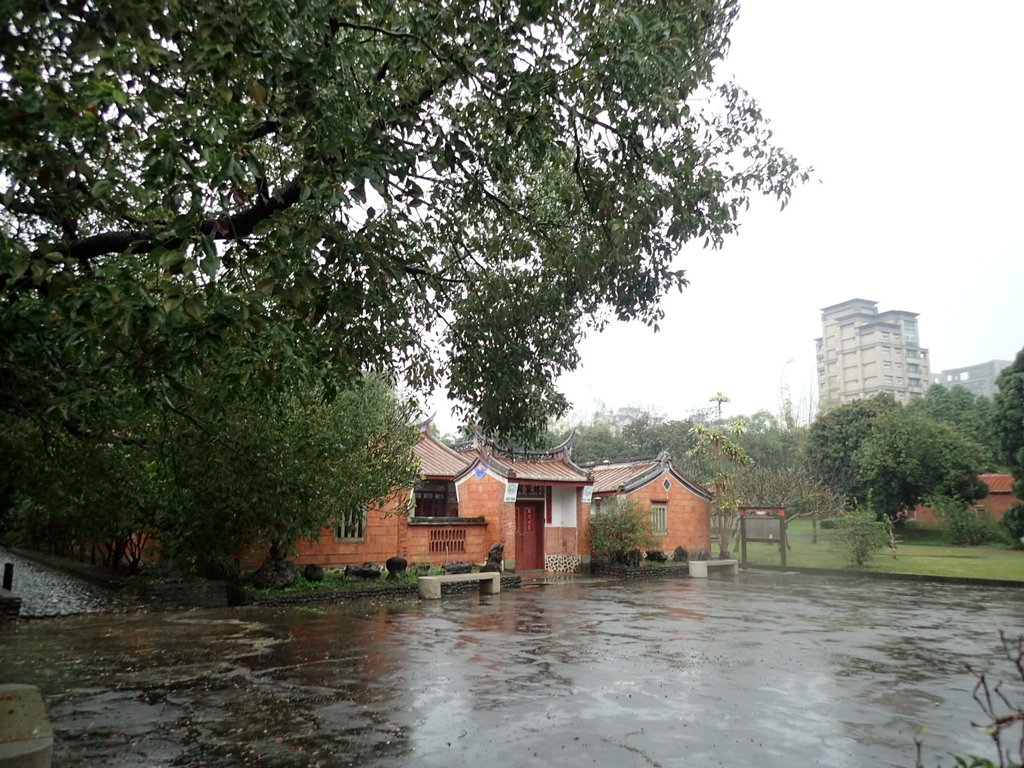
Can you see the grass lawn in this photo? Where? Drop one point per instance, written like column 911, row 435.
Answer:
column 923, row 552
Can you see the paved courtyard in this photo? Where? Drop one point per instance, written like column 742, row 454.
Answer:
column 766, row 670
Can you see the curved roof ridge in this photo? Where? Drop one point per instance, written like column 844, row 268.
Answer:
column 561, row 451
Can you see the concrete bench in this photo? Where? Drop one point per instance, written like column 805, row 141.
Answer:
column 699, row 569
column 430, row 586
column 26, row 736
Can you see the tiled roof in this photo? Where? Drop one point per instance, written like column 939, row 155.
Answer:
column 537, row 471
column 611, row 477
column 997, row 482
column 437, row 459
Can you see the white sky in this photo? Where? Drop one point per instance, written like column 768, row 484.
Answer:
column 912, row 114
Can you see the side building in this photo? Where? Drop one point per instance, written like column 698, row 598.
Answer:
column 863, row 352
column 979, row 380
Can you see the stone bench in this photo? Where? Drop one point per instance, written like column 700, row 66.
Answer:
column 699, row 569
column 430, row 586
column 26, row 736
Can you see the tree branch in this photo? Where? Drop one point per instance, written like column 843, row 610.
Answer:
column 233, row 227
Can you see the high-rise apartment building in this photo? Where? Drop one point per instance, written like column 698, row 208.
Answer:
column 977, row 379
column 863, row 352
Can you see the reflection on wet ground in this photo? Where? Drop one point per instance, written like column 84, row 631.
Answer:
column 776, row 669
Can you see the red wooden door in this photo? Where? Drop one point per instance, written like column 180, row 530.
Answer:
column 529, row 536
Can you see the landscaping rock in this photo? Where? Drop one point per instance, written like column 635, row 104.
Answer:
column 396, row 566
column 680, row 555
column 458, row 568
column 657, row 556
column 313, row 572
column 274, row 574
column 494, row 556
column 367, row 571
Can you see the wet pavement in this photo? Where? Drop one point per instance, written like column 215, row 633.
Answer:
column 46, row 592
column 767, row 669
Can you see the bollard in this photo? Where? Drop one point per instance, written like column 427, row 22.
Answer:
column 8, row 575
column 26, row 736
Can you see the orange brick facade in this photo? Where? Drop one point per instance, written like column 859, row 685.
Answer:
column 688, row 515
column 1000, row 499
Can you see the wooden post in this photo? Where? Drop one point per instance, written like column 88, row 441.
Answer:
column 743, row 542
column 783, row 524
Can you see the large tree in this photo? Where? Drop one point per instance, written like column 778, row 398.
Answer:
column 835, row 436
column 892, row 457
column 971, row 415
column 214, row 480
column 907, row 458
column 1008, row 419
column 449, row 192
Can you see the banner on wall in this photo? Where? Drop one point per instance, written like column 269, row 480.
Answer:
column 588, row 493
column 511, row 491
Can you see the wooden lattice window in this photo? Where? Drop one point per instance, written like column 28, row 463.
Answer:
column 659, row 519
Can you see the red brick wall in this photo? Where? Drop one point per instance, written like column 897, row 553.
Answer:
column 383, row 538
column 995, row 506
column 485, row 497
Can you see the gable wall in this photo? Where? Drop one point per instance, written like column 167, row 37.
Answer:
column 689, row 516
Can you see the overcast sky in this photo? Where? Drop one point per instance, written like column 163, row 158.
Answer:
column 911, row 113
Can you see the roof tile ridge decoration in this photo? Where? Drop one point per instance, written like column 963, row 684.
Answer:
column 595, row 465
column 427, row 433
column 561, row 451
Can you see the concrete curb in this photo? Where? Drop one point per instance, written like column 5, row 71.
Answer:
column 851, row 574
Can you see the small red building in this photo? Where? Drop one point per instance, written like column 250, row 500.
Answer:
column 536, row 503
column 680, row 509
column 1000, row 498
column 532, row 502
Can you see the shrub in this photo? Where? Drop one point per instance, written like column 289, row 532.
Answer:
column 616, row 532
column 964, row 526
column 1013, row 524
column 829, row 524
column 859, row 534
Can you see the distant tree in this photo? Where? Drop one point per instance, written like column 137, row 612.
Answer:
column 834, row 438
column 772, row 443
column 720, row 457
column 797, row 490
column 880, row 453
column 1008, row 419
column 971, row 415
column 907, row 457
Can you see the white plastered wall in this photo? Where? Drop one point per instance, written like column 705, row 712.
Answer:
column 563, row 506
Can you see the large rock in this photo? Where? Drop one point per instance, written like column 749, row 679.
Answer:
column 366, row 571
column 494, row 556
column 313, row 572
column 396, row 566
column 274, row 574
column 458, row 568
